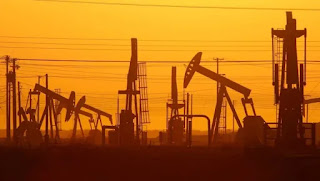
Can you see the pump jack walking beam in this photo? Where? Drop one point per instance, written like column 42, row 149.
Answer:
column 68, row 103
column 64, row 102
column 194, row 66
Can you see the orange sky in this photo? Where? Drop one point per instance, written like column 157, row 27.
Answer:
column 29, row 18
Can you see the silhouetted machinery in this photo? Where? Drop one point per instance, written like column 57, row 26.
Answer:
column 175, row 125
column 31, row 128
column 179, row 126
column 127, row 127
column 289, row 88
column 252, row 132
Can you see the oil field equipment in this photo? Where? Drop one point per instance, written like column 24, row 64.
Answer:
column 127, row 116
column 175, row 125
column 289, row 80
column 132, row 120
column 189, row 131
column 252, row 133
column 32, row 126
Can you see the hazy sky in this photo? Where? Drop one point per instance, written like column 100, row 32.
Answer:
column 101, row 81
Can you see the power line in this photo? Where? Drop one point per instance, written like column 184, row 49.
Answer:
column 184, row 6
column 143, row 45
column 99, row 61
column 148, row 61
column 80, row 44
column 61, row 38
column 147, row 40
column 127, row 39
column 145, row 50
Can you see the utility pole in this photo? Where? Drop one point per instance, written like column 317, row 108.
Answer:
column 38, row 103
column 233, row 103
column 217, row 60
column 7, row 99
column 30, row 102
column 46, row 137
column 11, row 91
column 14, row 98
column 19, row 101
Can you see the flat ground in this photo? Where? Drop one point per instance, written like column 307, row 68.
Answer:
column 82, row 162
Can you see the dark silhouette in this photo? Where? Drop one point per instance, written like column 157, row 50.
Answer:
column 175, row 126
column 37, row 153
column 126, row 128
column 52, row 112
column 254, row 130
column 289, row 90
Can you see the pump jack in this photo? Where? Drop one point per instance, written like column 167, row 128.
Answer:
column 289, row 95
column 69, row 105
column 194, row 66
column 126, row 134
column 175, row 126
column 34, row 126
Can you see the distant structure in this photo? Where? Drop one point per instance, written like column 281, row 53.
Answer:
column 11, row 96
column 28, row 132
column 175, row 126
column 289, row 88
column 251, row 132
column 129, row 129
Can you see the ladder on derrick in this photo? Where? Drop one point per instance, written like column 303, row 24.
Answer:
column 143, row 88
column 277, row 58
column 222, row 129
column 223, row 118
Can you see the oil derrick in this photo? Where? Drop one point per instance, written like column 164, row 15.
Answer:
column 127, row 116
column 289, row 88
column 175, row 125
column 252, row 131
column 11, row 97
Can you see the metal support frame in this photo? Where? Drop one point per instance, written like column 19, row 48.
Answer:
column 127, row 116
column 293, row 80
column 104, row 132
column 195, row 116
column 174, row 106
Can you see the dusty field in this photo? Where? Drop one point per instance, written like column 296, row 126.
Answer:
column 80, row 162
